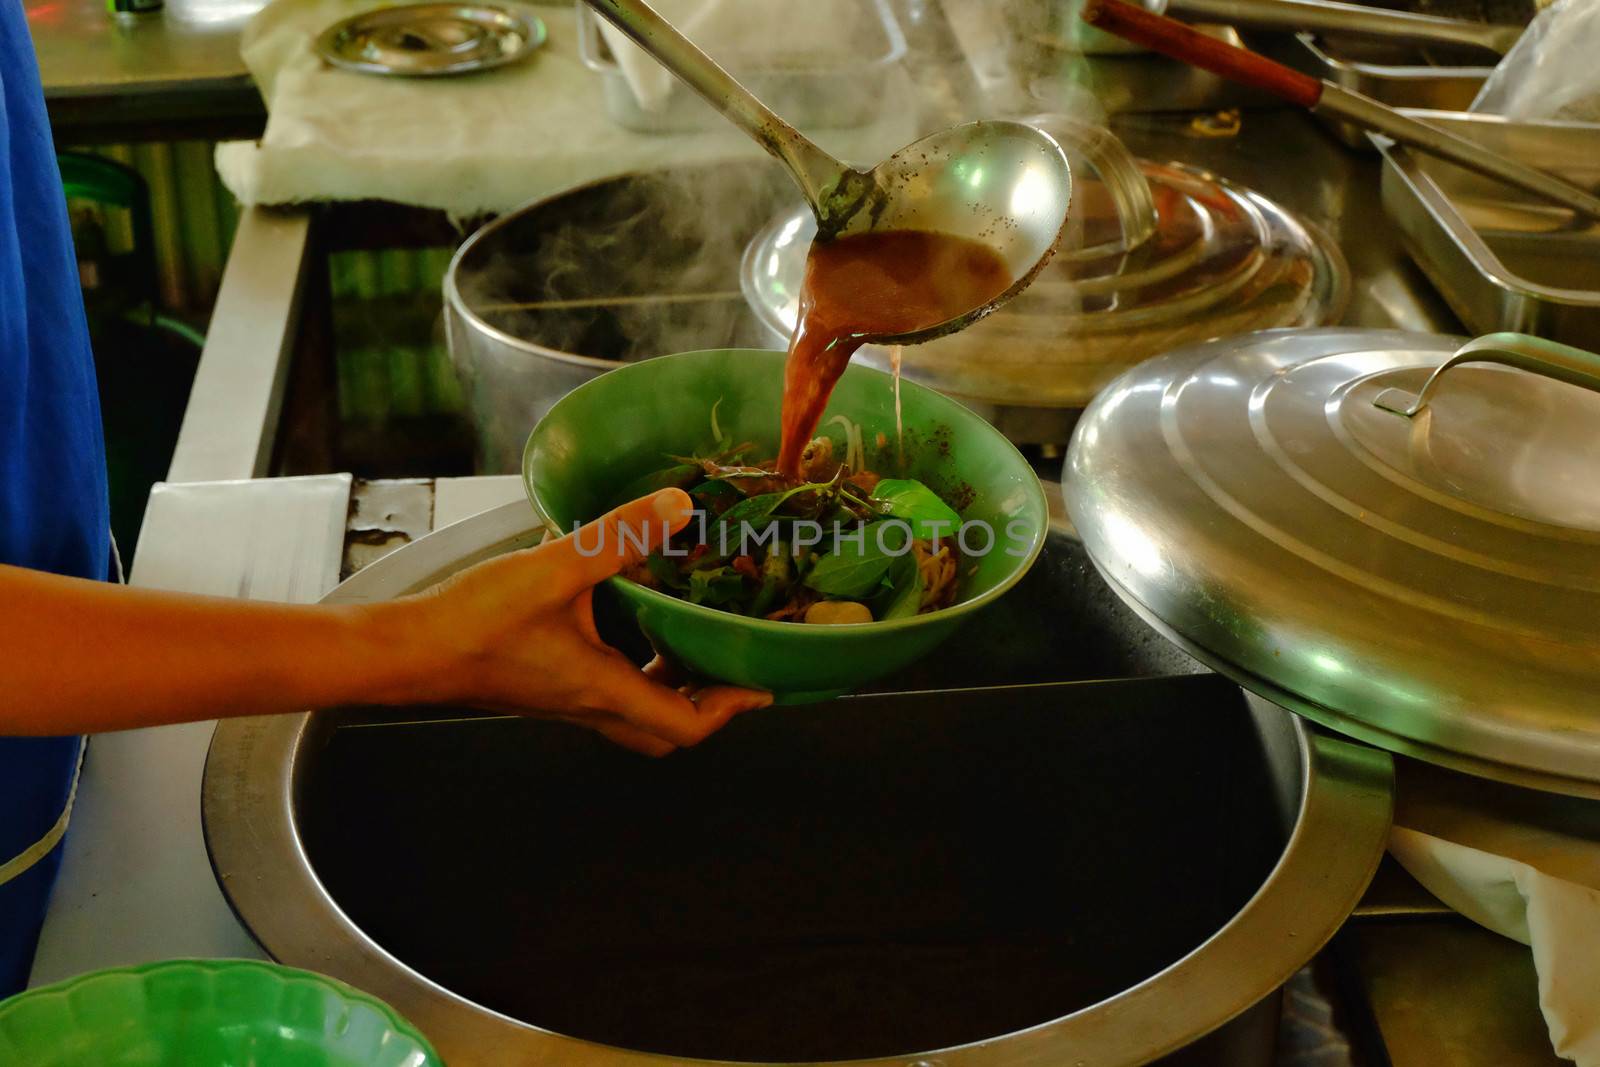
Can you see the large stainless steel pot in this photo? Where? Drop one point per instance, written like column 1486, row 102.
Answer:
column 1091, row 873
column 561, row 290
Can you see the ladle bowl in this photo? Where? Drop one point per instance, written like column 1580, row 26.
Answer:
column 1006, row 185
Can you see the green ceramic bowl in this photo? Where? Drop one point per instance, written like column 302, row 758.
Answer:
column 621, row 426
column 206, row 1013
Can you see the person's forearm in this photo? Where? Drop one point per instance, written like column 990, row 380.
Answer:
column 79, row 656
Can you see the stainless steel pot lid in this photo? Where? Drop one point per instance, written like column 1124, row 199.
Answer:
column 1430, row 584
column 416, row 40
column 1215, row 259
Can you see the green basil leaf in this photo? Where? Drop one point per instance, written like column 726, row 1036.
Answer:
column 853, row 571
column 903, row 598
column 678, row 476
column 909, row 499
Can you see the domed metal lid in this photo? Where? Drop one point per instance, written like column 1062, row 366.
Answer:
column 1207, row 258
column 431, row 39
column 1428, row 582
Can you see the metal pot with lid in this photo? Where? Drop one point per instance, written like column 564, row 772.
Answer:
column 1393, row 534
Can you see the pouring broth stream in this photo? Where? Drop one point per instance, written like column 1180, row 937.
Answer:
column 874, row 285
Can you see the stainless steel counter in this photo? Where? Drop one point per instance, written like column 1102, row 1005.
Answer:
column 167, row 74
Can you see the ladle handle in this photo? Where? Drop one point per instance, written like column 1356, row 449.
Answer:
column 816, row 172
column 1549, row 358
column 1172, row 38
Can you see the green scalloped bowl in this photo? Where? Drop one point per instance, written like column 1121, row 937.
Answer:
column 621, row 425
column 206, row 1013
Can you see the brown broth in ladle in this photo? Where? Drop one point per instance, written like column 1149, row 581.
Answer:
column 873, row 285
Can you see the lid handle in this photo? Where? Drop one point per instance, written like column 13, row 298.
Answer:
column 1553, row 360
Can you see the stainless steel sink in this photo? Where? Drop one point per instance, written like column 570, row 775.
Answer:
column 1082, row 871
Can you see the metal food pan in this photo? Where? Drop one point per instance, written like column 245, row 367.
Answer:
column 1501, row 258
column 839, row 90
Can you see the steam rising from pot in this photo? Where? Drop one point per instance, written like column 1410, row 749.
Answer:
column 649, row 263
column 628, row 268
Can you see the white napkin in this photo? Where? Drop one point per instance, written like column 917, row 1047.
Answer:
column 469, row 145
column 1524, row 865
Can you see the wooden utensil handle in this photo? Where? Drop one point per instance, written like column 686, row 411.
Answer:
column 1172, row 38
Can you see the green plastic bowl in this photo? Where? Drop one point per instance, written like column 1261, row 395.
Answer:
column 206, row 1013
column 622, row 425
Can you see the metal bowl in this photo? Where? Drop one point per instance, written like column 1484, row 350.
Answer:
column 431, row 40
column 1092, row 872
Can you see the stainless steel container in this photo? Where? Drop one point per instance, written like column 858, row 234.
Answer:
column 1502, row 259
column 543, row 299
column 837, row 89
column 1093, row 872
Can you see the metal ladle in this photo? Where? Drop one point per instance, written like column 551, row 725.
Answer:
column 1004, row 184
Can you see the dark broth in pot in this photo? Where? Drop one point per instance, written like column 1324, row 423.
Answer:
column 874, row 284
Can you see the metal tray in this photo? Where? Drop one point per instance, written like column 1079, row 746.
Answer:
column 838, row 91
column 1502, row 259
column 1394, row 73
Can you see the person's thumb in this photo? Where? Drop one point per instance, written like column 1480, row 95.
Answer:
column 616, row 540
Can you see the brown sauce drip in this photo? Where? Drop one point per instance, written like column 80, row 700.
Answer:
column 872, row 284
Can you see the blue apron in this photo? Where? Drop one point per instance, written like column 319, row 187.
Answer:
column 53, row 502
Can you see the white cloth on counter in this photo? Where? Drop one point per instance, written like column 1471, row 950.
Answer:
column 1550, row 73
column 1523, row 864
column 472, row 144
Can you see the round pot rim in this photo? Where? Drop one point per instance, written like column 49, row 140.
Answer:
column 253, row 768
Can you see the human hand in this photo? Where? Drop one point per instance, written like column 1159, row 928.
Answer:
column 517, row 633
